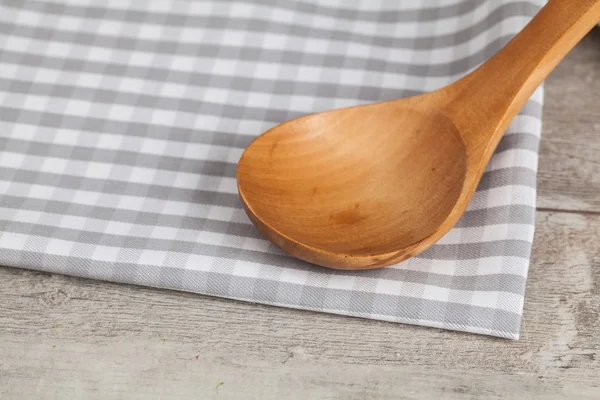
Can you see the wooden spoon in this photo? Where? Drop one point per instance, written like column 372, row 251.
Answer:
column 369, row 186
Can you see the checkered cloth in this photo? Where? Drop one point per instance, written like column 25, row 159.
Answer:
column 121, row 123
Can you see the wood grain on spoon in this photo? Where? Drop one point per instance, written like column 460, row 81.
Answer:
column 369, row 186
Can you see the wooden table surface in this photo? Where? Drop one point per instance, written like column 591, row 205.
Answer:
column 64, row 337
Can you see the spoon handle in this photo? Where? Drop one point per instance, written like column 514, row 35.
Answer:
column 496, row 91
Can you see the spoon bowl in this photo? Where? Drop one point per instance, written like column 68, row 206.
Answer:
column 369, row 186
column 355, row 181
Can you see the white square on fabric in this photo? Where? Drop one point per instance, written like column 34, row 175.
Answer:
column 164, row 232
column 224, row 67
column 105, row 253
column 15, row 43
column 235, row 38
column 36, row 103
column 88, row 80
column 86, row 197
column 109, row 27
column 139, row 58
column 28, row 216
column 47, row 76
column 435, row 293
column 385, row 286
column 485, row 299
column 98, row 170
column 133, row 85
column 78, row 107
column 495, row 232
column 150, row 32
column 490, row 266
column 341, row 283
column 99, row 54
column 153, row 146
column 152, row 257
column 142, row 175
column 14, row 241
column 220, row 213
column 163, row 117
column 109, row 142
column 121, row 112
column 246, row 269
column 297, row 277
column 28, row 18
column 173, row 90
column 118, row 228
column 183, row 63
column 58, row 247
column 198, row 262
column 159, row 6
column 11, row 160
column 41, row 191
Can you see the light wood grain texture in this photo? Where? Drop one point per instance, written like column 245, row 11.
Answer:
column 569, row 167
column 109, row 337
column 370, row 186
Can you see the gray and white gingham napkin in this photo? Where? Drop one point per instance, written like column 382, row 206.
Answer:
column 121, row 123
